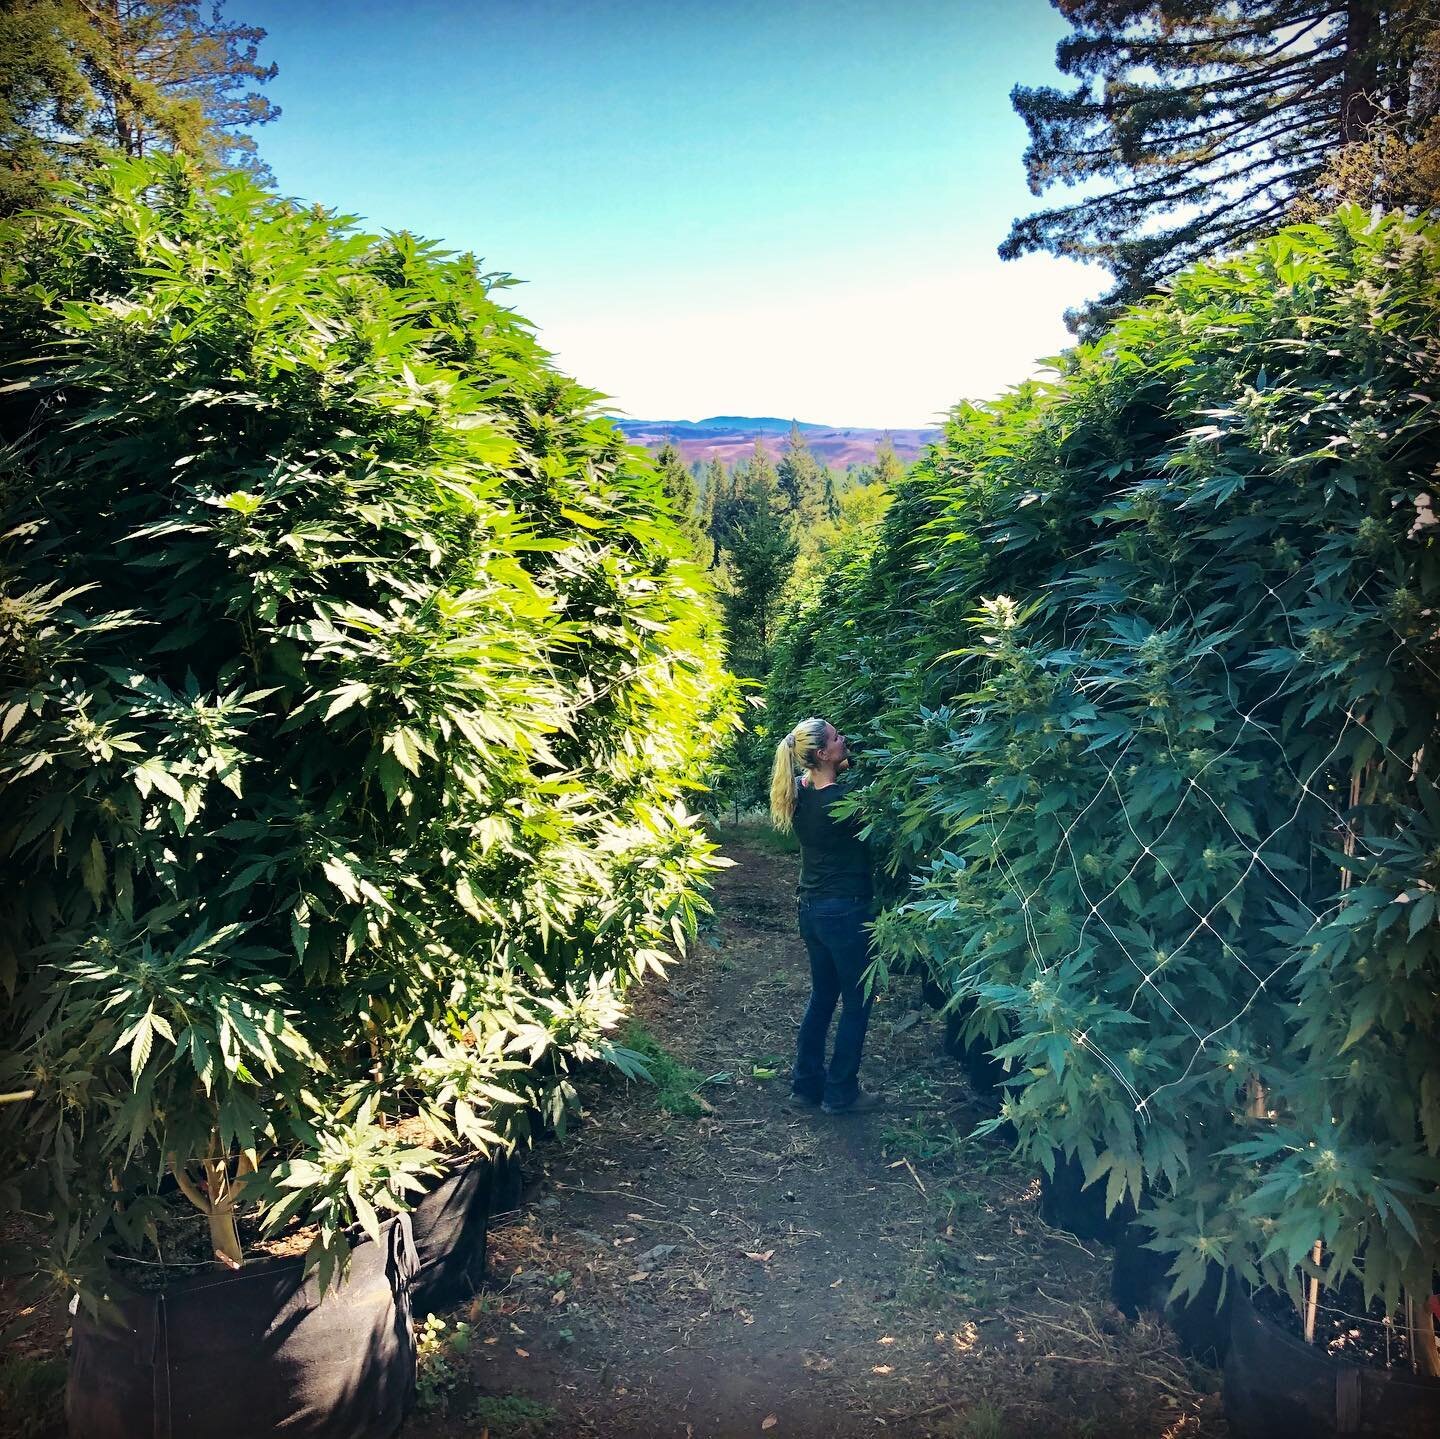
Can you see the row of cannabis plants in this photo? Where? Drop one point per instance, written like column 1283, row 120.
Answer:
column 353, row 685
column 1148, row 660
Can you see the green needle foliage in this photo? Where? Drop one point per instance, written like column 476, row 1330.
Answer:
column 1152, row 658
column 354, row 679
column 1195, row 128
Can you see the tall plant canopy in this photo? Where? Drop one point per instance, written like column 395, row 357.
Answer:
column 1151, row 657
column 355, row 677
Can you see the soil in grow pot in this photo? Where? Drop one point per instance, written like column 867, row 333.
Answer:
column 180, row 1246
column 1344, row 1328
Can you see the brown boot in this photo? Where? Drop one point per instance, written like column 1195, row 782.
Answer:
column 865, row 1100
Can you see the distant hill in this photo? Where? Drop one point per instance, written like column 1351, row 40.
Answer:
column 732, row 437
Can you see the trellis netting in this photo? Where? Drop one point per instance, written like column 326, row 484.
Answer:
column 354, row 682
column 1155, row 753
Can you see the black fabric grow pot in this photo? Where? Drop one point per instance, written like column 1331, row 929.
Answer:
column 450, row 1226
column 986, row 1074
column 955, row 1019
column 254, row 1353
column 933, row 994
column 1138, row 1281
column 953, row 1044
column 1066, row 1203
column 1279, row 1387
column 507, row 1183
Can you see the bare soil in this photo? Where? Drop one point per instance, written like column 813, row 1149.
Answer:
column 756, row 1271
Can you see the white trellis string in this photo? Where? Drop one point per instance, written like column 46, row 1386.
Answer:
column 1255, row 853
column 1148, row 849
column 999, row 828
column 1110, row 776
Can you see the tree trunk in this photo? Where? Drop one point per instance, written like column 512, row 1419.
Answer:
column 1359, row 87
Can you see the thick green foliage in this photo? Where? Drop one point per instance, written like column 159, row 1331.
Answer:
column 1153, row 653
column 353, row 679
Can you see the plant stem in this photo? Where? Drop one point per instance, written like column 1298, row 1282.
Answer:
column 216, row 1202
column 224, row 1236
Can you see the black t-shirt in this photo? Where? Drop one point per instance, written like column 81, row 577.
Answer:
column 834, row 861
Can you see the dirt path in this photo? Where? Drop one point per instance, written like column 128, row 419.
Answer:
column 751, row 1271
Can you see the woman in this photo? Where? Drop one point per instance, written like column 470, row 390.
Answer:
column 835, row 899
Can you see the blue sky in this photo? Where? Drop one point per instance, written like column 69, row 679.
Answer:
column 718, row 206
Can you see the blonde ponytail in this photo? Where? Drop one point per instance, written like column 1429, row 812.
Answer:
column 794, row 753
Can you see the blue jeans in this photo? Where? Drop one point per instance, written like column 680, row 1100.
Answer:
column 838, row 940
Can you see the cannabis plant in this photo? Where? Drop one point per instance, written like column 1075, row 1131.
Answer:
column 1161, row 754
column 353, row 682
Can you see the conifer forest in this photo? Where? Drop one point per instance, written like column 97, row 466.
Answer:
column 400, row 966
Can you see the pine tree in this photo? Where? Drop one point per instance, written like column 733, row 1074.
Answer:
column 82, row 77
column 712, row 493
column 760, row 551
column 731, row 489
column 799, row 478
column 715, row 478
column 888, row 469
column 1209, row 119
column 44, row 99
column 679, row 486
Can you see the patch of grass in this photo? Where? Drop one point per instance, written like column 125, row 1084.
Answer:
column 923, row 1140
column 511, row 1416
column 675, row 1083
column 959, row 1204
column 758, row 834
column 707, row 929
column 32, row 1398
column 982, row 1421
column 942, row 1275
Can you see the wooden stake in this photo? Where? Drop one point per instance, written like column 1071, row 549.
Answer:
column 1425, row 1356
column 1312, row 1295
